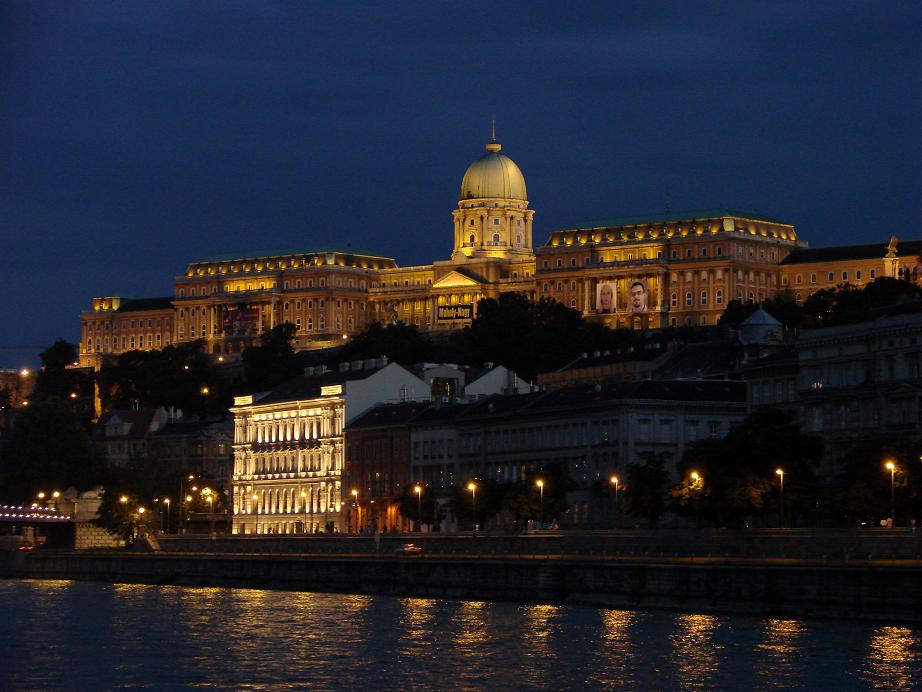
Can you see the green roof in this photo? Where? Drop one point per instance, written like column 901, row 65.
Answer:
column 666, row 217
column 260, row 254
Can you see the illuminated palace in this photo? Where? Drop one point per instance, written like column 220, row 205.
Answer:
column 640, row 272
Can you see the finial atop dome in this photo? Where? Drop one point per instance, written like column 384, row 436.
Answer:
column 493, row 146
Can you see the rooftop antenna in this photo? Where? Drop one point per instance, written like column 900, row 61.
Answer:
column 493, row 132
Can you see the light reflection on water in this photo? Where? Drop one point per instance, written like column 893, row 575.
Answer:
column 101, row 636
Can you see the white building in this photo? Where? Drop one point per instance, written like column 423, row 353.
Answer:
column 288, row 444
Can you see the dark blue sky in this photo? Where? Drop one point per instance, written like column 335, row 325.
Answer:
column 136, row 137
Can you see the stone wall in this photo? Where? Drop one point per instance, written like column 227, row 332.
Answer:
column 886, row 592
column 88, row 536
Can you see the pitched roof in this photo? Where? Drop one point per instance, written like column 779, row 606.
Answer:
column 667, row 217
column 904, row 248
column 139, row 304
column 262, row 254
column 388, row 414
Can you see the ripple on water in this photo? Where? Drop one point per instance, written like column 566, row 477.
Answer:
column 62, row 634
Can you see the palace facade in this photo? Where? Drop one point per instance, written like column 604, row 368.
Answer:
column 639, row 272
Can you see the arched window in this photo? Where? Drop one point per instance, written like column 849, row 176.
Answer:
column 719, row 297
column 496, row 238
column 518, row 241
column 689, row 300
column 674, row 300
column 473, row 238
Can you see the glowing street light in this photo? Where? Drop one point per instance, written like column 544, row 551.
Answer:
column 357, row 508
column 615, row 482
column 24, row 372
column 419, row 506
column 256, row 505
column 55, row 494
column 780, row 474
column 123, row 499
column 41, row 495
column 697, row 482
column 473, row 488
column 891, row 467
column 166, row 501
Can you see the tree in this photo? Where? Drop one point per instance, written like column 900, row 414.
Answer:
column 864, row 489
column 401, row 343
column 274, row 360
column 49, row 448
column 422, row 508
column 489, row 501
column 55, row 379
column 738, row 471
column 645, row 487
column 530, row 336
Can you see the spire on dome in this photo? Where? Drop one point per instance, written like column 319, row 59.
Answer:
column 493, row 146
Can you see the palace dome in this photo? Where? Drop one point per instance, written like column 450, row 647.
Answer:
column 493, row 175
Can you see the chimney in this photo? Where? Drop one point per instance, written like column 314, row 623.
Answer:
column 488, row 365
column 309, row 371
column 381, row 361
column 369, row 363
column 344, row 366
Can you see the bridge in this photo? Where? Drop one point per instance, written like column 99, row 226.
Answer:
column 34, row 525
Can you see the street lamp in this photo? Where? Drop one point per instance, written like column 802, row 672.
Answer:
column 358, row 510
column 166, row 501
column 614, row 481
column 256, row 505
column 780, row 473
column 41, row 495
column 890, row 466
column 123, row 499
column 697, row 484
column 209, row 498
column 473, row 488
column 540, row 484
column 419, row 506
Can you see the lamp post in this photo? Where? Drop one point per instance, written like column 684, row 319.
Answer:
column 473, row 488
column 358, row 510
column 182, row 491
column 697, row 484
column 891, row 467
column 209, row 498
column 419, row 506
column 166, row 501
column 780, row 473
column 614, row 481
column 540, row 484
column 256, row 506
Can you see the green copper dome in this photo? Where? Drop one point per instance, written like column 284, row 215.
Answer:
column 493, row 175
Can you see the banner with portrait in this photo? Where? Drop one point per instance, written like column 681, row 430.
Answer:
column 638, row 295
column 605, row 292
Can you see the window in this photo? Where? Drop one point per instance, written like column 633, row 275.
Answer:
column 720, row 251
column 674, row 300
column 857, row 275
column 496, row 222
column 573, row 262
column 719, row 297
column 674, row 254
column 689, row 299
column 845, row 276
column 831, row 276
column 559, row 262
column 544, row 264
column 704, row 252
column 873, row 273
column 704, row 297
column 544, row 288
column 714, row 429
column 798, row 279
column 813, row 278
column 688, row 252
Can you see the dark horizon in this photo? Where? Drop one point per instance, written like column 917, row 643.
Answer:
column 137, row 139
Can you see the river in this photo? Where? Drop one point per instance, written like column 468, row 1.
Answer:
column 90, row 636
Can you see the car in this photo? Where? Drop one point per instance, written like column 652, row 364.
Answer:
column 408, row 548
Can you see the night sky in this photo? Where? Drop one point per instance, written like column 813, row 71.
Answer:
column 136, row 137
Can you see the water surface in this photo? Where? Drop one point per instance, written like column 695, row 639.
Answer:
column 83, row 635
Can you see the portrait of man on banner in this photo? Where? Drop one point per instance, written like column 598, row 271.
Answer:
column 637, row 296
column 605, row 298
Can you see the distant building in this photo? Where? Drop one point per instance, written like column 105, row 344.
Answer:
column 125, row 434
column 862, row 383
column 627, row 366
column 640, row 272
column 200, row 447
